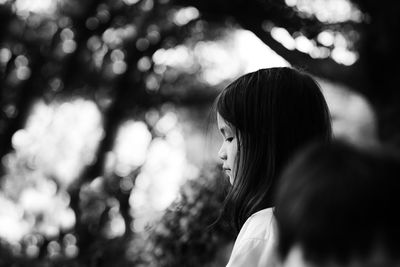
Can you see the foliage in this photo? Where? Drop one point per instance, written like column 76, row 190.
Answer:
column 366, row 28
column 188, row 234
column 101, row 51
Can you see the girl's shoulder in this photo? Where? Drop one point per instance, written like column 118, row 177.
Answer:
column 256, row 236
column 260, row 225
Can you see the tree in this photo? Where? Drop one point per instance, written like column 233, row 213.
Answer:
column 100, row 50
column 374, row 74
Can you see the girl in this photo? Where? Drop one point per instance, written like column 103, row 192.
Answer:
column 264, row 117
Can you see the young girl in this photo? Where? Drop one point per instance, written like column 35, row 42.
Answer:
column 264, row 118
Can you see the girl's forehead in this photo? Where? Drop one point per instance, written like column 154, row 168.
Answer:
column 221, row 121
column 223, row 125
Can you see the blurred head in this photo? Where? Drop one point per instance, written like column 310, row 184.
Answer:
column 336, row 206
column 264, row 117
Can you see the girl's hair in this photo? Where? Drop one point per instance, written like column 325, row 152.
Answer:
column 274, row 112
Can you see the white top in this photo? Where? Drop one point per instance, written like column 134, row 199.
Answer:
column 256, row 239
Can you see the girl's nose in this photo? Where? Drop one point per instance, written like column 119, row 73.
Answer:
column 222, row 153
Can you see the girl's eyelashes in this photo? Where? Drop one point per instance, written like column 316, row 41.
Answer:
column 229, row 139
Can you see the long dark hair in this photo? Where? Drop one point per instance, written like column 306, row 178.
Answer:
column 274, row 111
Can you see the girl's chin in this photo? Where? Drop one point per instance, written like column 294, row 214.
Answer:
column 230, row 179
column 229, row 176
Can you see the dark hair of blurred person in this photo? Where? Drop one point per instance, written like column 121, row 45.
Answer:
column 337, row 205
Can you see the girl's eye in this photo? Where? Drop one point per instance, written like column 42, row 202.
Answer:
column 229, row 139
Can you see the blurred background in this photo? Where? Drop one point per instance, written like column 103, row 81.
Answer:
column 107, row 140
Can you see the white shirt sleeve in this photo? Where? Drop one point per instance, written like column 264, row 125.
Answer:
column 247, row 253
column 268, row 256
column 256, row 238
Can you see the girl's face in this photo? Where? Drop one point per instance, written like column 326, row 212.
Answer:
column 229, row 148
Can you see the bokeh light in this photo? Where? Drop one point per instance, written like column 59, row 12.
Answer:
column 47, row 158
column 36, row 6
column 329, row 11
column 131, row 145
column 162, row 174
column 185, row 15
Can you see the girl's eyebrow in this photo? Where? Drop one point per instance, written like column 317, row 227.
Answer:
column 224, row 130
